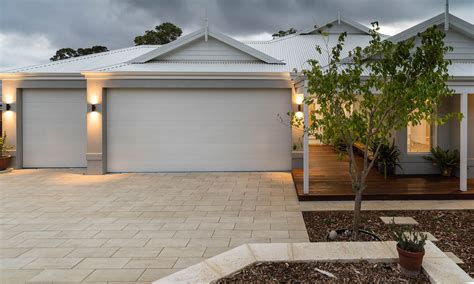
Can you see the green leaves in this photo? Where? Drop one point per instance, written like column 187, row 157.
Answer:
column 378, row 89
column 65, row 53
column 162, row 34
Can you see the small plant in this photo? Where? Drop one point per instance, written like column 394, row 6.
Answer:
column 388, row 157
column 446, row 160
column 410, row 247
column 410, row 240
column 3, row 146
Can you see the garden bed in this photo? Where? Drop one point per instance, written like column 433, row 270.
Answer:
column 326, row 272
column 453, row 229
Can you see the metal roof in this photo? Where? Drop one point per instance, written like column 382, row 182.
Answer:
column 286, row 54
column 296, row 50
column 87, row 62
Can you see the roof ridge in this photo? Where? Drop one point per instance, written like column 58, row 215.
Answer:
column 73, row 59
column 208, row 62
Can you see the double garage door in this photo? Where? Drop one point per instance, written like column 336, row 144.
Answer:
column 150, row 130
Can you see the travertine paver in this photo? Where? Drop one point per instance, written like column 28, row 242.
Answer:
column 454, row 257
column 388, row 205
column 61, row 225
column 399, row 220
column 436, row 265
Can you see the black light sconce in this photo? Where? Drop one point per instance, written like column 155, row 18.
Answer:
column 299, row 107
column 93, row 108
column 8, row 107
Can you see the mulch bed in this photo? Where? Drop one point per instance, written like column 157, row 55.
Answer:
column 454, row 229
column 307, row 272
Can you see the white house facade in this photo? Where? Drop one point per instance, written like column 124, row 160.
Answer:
column 205, row 102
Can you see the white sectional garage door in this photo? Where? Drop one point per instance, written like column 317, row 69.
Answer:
column 197, row 130
column 54, row 128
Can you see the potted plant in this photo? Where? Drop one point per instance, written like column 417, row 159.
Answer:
column 5, row 159
column 388, row 158
column 446, row 160
column 411, row 249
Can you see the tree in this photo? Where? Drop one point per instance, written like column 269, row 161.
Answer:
column 65, row 53
column 163, row 34
column 284, row 33
column 380, row 88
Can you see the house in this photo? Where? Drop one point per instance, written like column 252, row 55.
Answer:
column 205, row 102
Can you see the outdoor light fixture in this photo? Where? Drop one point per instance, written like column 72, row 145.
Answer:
column 299, row 114
column 93, row 107
column 299, row 98
column 8, row 107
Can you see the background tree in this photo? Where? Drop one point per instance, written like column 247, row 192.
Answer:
column 284, row 33
column 383, row 87
column 65, row 53
column 163, row 34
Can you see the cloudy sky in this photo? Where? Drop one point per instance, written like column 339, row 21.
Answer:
column 32, row 30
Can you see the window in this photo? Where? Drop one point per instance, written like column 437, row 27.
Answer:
column 419, row 138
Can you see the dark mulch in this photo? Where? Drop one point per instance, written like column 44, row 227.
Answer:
column 306, row 272
column 454, row 229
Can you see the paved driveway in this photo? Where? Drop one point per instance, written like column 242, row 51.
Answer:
column 59, row 225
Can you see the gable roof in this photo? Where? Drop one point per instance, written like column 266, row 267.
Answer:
column 455, row 23
column 172, row 46
column 338, row 21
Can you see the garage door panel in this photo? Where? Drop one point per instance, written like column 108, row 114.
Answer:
column 162, row 134
column 198, row 130
column 193, row 157
column 54, row 128
column 189, row 113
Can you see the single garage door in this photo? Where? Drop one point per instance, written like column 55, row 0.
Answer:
column 54, row 128
column 197, row 130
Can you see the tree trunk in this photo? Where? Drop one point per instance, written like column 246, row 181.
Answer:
column 357, row 209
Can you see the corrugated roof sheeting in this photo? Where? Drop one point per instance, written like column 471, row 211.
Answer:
column 296, row 50
column 88, row 62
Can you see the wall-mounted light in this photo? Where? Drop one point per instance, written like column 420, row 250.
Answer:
column 299, row 114
column 8, row 107
column 93, row 107
column 299, row 98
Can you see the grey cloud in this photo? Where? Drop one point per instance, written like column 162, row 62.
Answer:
column 115, row 23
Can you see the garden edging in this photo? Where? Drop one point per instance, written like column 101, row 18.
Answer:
column 436, row 265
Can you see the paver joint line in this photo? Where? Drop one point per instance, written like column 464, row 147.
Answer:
column 69, row 216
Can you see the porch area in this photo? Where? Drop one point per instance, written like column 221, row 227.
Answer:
column 329, row 180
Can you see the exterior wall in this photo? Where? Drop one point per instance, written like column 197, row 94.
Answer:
column 463, row 47
column 12, row 120
column 470, row 137
column 96, row 155
column 297, row 134
column 447, row 137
